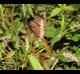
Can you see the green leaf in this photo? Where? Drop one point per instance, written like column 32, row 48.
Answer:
column 76, row 6
column 15, row 38
column 69, row 36
column 41, row 8
column 35, row 63
column 5, row 25
column 76, row 37
column 77, row 54
column 60, row 5
column 55, row 12
column 0, row 54
column 9, row 33
column 52, row 32
column 68, row 8
column 1, row 31
column 31, row 38
column 17, row 25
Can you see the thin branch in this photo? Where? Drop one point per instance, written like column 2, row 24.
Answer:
column 56, row 61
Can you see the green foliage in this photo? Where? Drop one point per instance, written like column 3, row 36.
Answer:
column 61, row 34
column 68, row 8
column 55, row 12
column 75, row 37
column 35, row 63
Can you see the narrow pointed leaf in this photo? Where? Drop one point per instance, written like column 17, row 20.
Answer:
column 68, row 8
column 55, row 12
column 35, row 63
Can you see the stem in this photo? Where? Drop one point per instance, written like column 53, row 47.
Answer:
column 2, row 14
column 56, row 61
column 62, row 22
column 12, row 15
column 23, row 9
column 72, row 27
column 41, row 51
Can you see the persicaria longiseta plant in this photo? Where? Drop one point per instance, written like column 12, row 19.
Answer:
column 39, row 37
